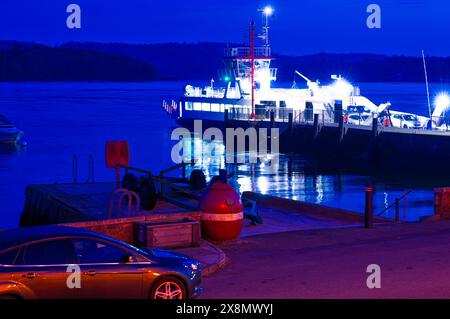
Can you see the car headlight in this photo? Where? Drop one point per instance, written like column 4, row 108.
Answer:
column 192, row 266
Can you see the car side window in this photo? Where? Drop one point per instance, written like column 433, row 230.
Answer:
column 8, row 257
column 90, row 251
column 52, row 252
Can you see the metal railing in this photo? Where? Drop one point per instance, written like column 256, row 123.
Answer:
column 75, row 168
column 90, row 178
column 396, row 204
column 245, row 52
column 131, row 198
column 169, row 107
column 329, row 116
column 440, row 123
column 280, row 114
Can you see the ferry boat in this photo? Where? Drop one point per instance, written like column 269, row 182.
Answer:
column 247, row 94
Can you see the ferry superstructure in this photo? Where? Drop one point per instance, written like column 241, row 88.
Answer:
column 248, row 94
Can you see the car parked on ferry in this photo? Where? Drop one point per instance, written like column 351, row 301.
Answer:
column 359, row 119
column 404, row 120
column 41, row 262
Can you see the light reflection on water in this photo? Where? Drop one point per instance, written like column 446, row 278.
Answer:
column 289, row 179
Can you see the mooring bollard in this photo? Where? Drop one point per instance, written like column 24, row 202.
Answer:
column 375, row 127
column 316, row 126
column 341, row 128
column 368, row 215
column 290, row 122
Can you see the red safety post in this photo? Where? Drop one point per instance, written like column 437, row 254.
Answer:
column 117, row 153
column 368, row 214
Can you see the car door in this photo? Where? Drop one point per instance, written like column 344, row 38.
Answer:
column 105, row 272
column 42, row 267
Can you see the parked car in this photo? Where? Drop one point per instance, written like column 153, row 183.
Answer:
column 359, row 119
column 358, row 109
column 406, row 121
column 36, row 262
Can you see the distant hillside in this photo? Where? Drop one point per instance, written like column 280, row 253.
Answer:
column 366, row 67
column 201, row 61
column 171, row 60
column 75, row 61
column 34, row 62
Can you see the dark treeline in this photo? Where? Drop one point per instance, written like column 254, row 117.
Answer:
column 76, row 61
column 28, row 62
column 365, row 67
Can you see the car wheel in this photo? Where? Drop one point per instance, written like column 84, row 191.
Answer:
column 405, row 126
column 168, row 288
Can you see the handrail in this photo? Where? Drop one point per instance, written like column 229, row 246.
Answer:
column 123, row 193
column 397, row 200
column 90, row 178
column 75, row 168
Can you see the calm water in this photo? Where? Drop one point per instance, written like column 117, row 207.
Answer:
column 61, row 119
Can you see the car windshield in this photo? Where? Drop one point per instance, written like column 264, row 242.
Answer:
column 410, row 118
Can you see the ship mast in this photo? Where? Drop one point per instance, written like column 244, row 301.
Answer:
column 252, row 67
column 428, row 88
column 267, row 12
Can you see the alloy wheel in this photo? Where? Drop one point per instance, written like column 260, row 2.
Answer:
column 169, row 290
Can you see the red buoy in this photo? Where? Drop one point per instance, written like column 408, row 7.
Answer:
column 222, row 212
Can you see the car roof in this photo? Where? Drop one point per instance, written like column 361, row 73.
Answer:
column 20, row 236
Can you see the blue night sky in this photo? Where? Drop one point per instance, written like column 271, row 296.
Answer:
column 298, row 26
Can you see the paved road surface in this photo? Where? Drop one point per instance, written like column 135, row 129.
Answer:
column 414, row 260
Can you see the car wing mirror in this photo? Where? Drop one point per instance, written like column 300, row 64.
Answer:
column 128, row 259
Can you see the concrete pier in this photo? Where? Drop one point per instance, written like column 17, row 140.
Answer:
column 332, row 263
column 89, row 206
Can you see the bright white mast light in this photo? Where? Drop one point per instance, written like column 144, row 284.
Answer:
column 442, row 100
column 268, row 11
column 441, row 103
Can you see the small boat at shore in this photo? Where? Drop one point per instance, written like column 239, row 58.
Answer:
column 9, row 134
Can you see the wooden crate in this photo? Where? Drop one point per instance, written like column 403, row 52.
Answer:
column 168, row 234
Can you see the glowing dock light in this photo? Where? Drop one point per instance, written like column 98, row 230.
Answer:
column 442, row 101
column 341, row 87
column 268, row 11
